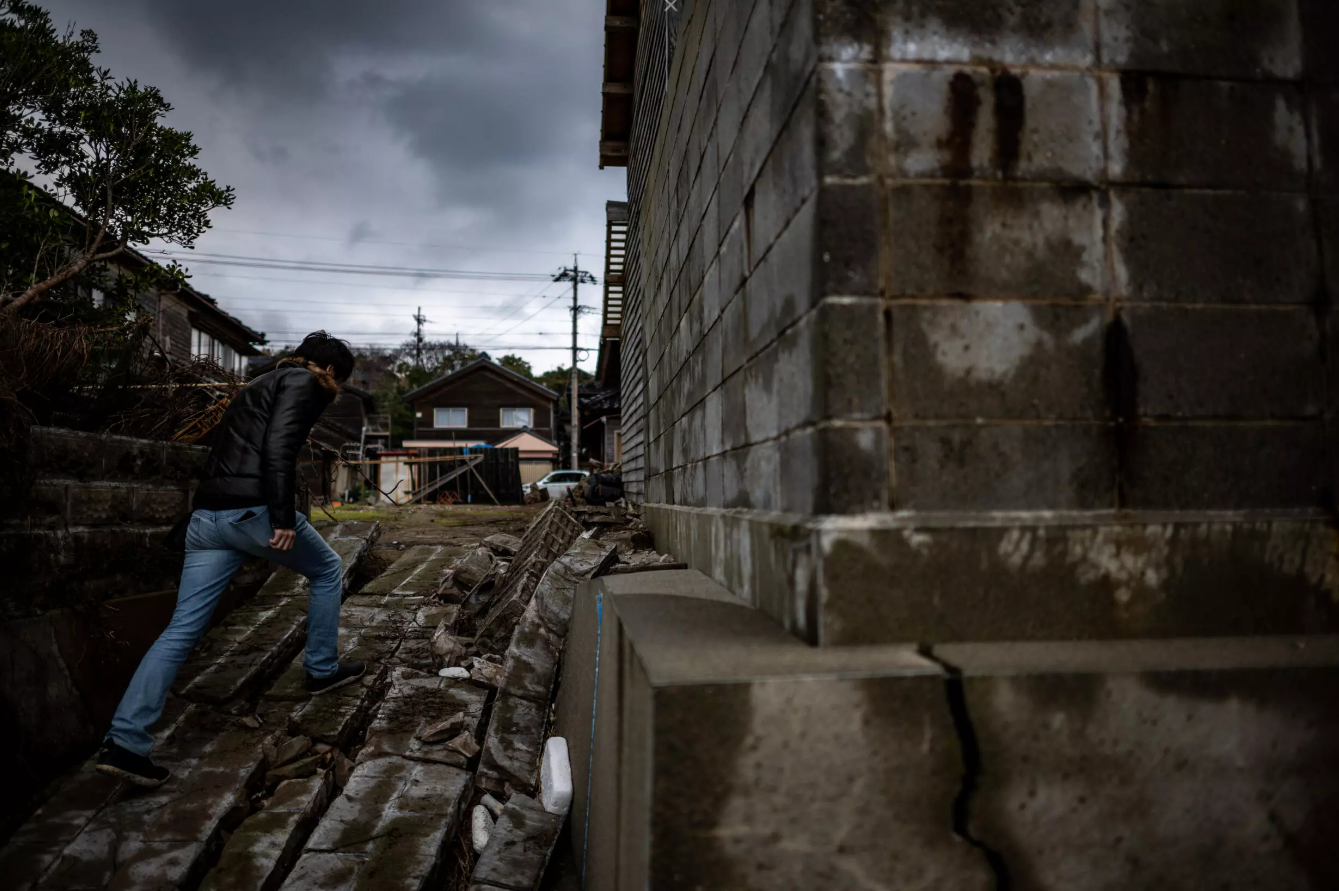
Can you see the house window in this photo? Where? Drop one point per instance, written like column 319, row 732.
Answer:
column 450, row 417
column 518, row 417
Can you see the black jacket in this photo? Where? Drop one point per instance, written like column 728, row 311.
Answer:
column 255, row 455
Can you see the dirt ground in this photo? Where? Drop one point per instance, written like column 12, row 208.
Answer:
column 454, row 524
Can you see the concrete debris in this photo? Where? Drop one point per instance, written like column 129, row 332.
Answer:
column 456, row 672
column 520, row 846
column 296, row 770
column 473, row 568
column 481, row 827
column 441, row 730
column 445, row 646
column 291, row 750
column 251, row 721
column 512, row 744
column 494, row 806
column 343, row 769
column 464, row 744
column 486, row 672
column 555, row 777
column 502, row 544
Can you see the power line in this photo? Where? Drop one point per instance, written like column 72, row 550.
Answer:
column 447, row 247
column 347, row 268
column 379, row 287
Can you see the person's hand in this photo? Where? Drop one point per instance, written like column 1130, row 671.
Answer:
column 283, row 539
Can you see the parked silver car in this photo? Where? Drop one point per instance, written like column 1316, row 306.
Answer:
column 560, row 482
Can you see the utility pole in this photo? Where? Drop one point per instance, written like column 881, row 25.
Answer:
column 576, row 275
column 419, row 319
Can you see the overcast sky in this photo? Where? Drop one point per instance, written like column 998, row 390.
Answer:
column 415, row 133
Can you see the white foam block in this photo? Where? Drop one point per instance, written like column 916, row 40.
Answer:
column 555, row 777
column 454, row 673
column 481, row 828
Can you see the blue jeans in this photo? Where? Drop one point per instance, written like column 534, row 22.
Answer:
column 217, row 543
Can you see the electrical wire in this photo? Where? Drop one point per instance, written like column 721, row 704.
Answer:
column 347, row 268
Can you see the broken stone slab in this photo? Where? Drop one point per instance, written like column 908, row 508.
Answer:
column 335, row 716
column 267, row 843
column 511, row 745
column 485, row 672
column 296, row 770
column 494, row 806
column 442, row 730
column 502, row 544
column 430, row 617
column 291, row 750
column 473, row 568
column 415, row 653
column 411, row 706
column 520, row 846
column 584, row 560
column 387, row 830
column 446, row 646
column 530, row 665
column 464, row 744
column 406, row 564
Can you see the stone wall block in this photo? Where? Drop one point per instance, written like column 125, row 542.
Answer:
column 1214, row 38
column 848, row 120
column 993, row 360
column 835, row 469
column 1187, row 132
column 1003, row 467
column 1013, row 32
column 1226, row 467
column 994, row 241
column 845, row 31
column 848, row 223
column 1226, row 363
column 1320, row 22
column 992, row 124
column 788, row 177
column 106, row 504
column 1213, row 247
column 1324, row 113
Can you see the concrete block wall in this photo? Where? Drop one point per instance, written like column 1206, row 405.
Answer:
column 1045, row 255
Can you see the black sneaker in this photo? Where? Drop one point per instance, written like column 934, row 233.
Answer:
column 347, row 673
column 119, row 762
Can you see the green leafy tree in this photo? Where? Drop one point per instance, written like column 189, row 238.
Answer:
column 560, row 379
column 100, row 150
column 517, row 364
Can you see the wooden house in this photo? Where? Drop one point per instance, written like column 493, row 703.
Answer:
column 486, row 404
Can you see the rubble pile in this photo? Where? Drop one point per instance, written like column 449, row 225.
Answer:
column 436, row 770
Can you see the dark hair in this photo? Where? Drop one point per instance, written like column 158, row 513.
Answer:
column 322, row 349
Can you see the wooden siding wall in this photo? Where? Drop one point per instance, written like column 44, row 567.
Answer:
column 655, row 51
column 485, row 394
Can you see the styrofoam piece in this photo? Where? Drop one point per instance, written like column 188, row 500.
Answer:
column 555, row 777
column 454, row 672
column 481, row 828
column 494, row 806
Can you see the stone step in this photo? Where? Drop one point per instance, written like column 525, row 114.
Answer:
column 268, row 842
column 519, row 847
column 256, row 637
column 417, row 572
column 388, row 829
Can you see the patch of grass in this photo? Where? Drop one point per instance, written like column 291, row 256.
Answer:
column 354, row 513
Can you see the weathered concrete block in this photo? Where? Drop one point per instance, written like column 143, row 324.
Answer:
column 530, row 665
column 706, row 736
column 1324, row 113
column 1226, row 363
column 1320, row 21
column 264, row 847
column 415, row 703
column 512, row 744
column 1003, row 467
column 970, row 123
column 1173, row 131
column 1018, row 32
column 954, row 577
column 1211, row 759
column 994, row 241
column 1213, row 247
column 848, row 121
column 100, row 504
column 997, row 360
column 1226, row 467
column 520, row 845
column 387, row 830
column 787, row 178
column 1218, row 38
column 834, row 469
column 847, row 223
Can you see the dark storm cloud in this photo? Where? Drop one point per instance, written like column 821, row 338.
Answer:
column 357, row 131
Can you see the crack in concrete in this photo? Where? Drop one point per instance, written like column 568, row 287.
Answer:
column 970, row 748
